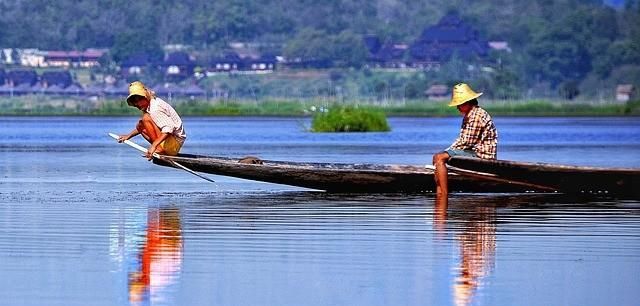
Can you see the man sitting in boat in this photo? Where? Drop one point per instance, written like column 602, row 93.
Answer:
column 160, row 124
column 478, row 135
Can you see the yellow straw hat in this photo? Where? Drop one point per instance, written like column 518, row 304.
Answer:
column 462, row 93
column 138, row 89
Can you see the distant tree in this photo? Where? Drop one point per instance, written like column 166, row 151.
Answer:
column 107, row 64
column 597, row 30
column 220, row 22
column 569, row 89
column 335, row 75
column 347, row 49
column 626, row 50
column 619, row 53
column 570, row 47
column 133, row 42
column 454, row 71
column 555, row 57
column 626, row 74
column 381, row 88
column 632, row 6
column 508, row 76
column 506, row 84
column 309, row 45
column 559, row 40
column 414, row 89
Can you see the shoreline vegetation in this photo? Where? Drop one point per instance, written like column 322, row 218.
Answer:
column 339, row 118
column 36, row 106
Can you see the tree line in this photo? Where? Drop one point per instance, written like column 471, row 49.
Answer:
column 563, row 43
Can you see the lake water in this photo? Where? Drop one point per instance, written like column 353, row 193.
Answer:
column 87, row 221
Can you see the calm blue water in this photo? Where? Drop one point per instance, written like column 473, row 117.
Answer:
column 87, row 221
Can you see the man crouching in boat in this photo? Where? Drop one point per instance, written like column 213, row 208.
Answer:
column 160, row 124
column 478, row 135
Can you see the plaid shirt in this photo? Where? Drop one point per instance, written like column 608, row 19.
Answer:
column 166, row 118
column 477, row 133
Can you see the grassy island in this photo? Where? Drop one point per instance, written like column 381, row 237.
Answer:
column 349, row 119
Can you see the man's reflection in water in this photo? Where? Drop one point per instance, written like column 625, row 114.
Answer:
column 477, row 239
column 159, row 257
column 440, row 215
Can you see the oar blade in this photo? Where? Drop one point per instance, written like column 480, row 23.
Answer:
column 156, row 155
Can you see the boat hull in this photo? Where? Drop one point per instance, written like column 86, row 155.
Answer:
column 563, row 178
column 338, row 177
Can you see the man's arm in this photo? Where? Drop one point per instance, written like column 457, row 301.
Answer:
column 154, row 146
column 132, row 134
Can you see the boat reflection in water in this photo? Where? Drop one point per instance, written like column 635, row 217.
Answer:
column 475, row 231
column 158, row 258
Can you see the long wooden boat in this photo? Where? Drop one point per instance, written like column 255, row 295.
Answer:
column 340, row 177
column 466, row 175
column 563, row 178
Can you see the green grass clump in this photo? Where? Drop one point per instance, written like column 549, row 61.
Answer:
column 632, row 108
column 114, row 108
column 545, row 108
column 421, row 108
column 35, row 105
column 350, row 119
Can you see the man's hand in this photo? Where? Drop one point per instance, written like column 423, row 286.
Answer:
column 122, row 138
column 149, row 154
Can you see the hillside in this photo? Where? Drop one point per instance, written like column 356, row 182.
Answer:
column 566, row 45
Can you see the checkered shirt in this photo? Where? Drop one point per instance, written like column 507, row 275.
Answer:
column 478, row 133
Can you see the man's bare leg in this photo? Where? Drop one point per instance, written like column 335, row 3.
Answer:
column 440, row 175
column 149, row 130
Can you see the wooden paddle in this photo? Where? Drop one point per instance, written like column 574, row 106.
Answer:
column 492, row 177
column 161, row 157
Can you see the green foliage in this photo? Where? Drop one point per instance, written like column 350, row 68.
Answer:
column 114, row 108
column 632, row 108
column 132, row 42
column 558, row 57
column 546, row 108
column 627, row 74
column 348, row 50
column 345, row 49
column 554, row 42
column 241, row 108
column 422, row 108
column 569, row 90
column 350, row 119
column 36, row 105
column 309, row 44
